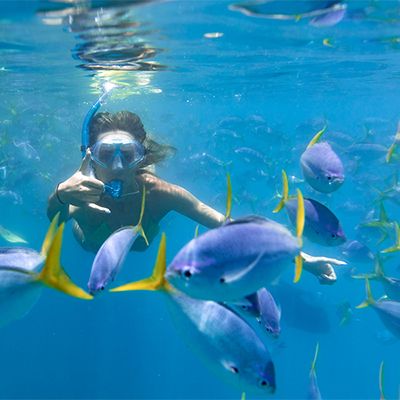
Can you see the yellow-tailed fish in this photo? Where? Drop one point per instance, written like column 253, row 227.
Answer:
column 396, row 246
column 320, row 224
column 112, row 254
column 22, row 279
column 381, row 395
column 322, row 168
column 387, row 310
column 228, row 345
column 236, row 259
column 313, row 389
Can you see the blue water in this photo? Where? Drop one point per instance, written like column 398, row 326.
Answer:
column 250, row 99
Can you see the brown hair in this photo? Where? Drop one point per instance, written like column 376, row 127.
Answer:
column 129, row 122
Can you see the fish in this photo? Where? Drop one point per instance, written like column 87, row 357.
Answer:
column 112, row 254
column 322, row 168
column 357, row 252
column 313, row 389
column 262, row 306
column 10, row 236
column 22, row 278
column 224, row 340
column 302, row 310
column 381, row 393
column 236, row 259
column 387, row 310
column 333, row 15
column 394, row 145
column 320, row 224
column 391, row 285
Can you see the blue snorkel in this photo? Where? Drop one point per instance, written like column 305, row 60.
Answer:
column 114, row 187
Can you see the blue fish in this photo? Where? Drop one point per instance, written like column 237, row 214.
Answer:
column 112, row 254
column 391, row 285
column 225, row 341
column 320, row 225
column 387, row 310
column 332, row 16
column 22, row 278
column 236, row 259
column 357, row 252
column 322, row 168
column 313, row 389
column 262, row 306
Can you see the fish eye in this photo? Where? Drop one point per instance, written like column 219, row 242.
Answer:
column 269, row 329
column 234, row 369
column 329, row 178
column 333, row 235
column 244, row 307
column 221, row 280
column 187, row 274
column 263, row 383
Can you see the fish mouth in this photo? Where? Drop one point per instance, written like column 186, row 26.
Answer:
column 336, row 180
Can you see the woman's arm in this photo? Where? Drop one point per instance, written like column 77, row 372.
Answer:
column 182, row 201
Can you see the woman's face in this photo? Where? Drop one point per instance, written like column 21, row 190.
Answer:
column 115, row 155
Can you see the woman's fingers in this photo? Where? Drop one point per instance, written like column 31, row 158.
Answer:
column 100, row 209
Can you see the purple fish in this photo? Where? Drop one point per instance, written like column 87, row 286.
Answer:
column 263, row 307
column 321, row 225
column 110, row 258
column 387, row 310
column 234, row 260
column 322, row 168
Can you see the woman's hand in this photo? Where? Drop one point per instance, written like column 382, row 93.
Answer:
column 82, row 190
column 322, row 267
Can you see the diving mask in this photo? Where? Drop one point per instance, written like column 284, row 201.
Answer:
column 114, row 153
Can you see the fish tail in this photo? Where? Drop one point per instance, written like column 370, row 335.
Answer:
column 378, row 268
column 312, row 370
column 50, row 235
column 196, row 231
column 381, row 395
column 285, row 193
column 299, row 232
column 369, row 300
column 396, row 247
column 139, row 225
column 316, row 137
column 156, row 281
column 390, row 152
column 228, row 197
column 53, row 274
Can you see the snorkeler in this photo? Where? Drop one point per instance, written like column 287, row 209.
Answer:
column 105, row 193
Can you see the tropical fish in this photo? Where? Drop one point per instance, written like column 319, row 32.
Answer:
column 313, row 389
column 236, row 259
column 303, row 310
column 394, row 144
column 381, row 394
column 320, row 225
column 112, row 254
column 223, row 339
column 262, row 306
column 391, row 285
column 333, row 15
column 322, row 168
column 357, row 252
column 21, row 279
column 396, row 246
column 387, row 310
column 10, row 236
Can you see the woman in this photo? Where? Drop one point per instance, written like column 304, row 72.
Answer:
column 106, row 191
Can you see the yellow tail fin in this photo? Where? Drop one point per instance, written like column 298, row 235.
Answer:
column 53, row 274
column 314, row 359
column 396, row 247
column 139, row 226
column 228, row 197
column 285, row 193
column 369, row 300
column 50, row 235
column 156, row 280
column 299, row 232
column 316, row 137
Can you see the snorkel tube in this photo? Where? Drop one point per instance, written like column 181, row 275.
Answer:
column 114, row 187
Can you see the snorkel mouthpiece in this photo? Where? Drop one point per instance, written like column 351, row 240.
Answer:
column 113, row 188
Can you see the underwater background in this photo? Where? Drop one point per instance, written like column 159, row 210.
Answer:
column 231, row 90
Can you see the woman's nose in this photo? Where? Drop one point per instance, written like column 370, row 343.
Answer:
column 117, row 162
